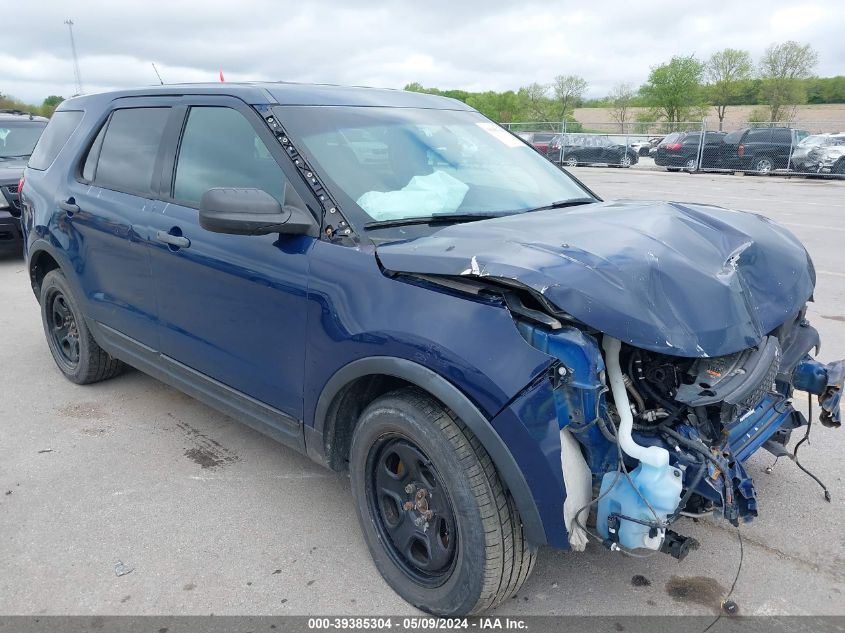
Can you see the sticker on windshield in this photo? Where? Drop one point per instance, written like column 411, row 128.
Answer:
column 495, row 131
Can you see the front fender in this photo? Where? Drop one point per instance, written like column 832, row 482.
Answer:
column 501, row 450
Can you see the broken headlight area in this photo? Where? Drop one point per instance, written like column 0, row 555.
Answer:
column 647, row 437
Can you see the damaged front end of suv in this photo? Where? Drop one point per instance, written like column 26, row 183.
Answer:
column 678, row 339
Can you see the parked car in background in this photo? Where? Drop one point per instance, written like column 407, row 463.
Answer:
column 682, row 150
column 801, row 160
column 760, row 149
column 828, row 158
column 19, row 132
column 590, row 149
column 640, row 146
column 367, row 148
column 540, row 140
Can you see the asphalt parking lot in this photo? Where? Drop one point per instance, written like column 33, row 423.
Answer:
column 212, row 517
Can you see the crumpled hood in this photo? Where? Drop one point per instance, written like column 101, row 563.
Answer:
column 681, row 279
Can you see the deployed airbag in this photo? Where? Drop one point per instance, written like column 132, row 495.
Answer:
column 435, row 193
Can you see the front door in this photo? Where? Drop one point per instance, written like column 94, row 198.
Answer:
column 231, row 307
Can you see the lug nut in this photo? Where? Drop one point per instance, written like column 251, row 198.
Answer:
column 410, row 488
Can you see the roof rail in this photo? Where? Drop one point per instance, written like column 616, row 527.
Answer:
column 15, row 111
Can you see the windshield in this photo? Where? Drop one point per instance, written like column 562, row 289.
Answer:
column 418, row 163
column 18, row 139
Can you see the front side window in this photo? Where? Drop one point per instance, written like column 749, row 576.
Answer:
column 53, row 139
column 430, row 162
column 220, row 148
column 130, row 146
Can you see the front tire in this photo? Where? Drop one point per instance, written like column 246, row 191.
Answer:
column 442, row 529
column 74, row 350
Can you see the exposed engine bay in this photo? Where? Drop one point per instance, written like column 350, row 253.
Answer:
column 682, row 429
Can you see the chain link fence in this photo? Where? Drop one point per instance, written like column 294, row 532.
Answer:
column 760, row 148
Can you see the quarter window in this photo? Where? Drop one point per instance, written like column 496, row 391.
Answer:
column 58, row 131
column 130, row 146
column 221, row 149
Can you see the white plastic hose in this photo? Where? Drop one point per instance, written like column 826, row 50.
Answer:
column 652, row 455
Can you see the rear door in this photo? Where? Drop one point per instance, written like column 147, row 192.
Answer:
column 232, row 307
column 109, row 205
column 711, row 155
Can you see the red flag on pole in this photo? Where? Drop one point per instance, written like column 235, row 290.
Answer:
column 221, row 76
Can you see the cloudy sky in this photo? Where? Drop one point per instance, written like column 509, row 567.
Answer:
column 475, row 45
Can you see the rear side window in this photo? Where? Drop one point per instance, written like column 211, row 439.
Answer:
column 130, row 146
column 759, row 136
column 782, row 136
column 58, row 131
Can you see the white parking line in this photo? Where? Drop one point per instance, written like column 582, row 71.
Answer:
column 830, row 272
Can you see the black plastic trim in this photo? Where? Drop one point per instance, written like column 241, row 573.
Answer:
column 255, row 414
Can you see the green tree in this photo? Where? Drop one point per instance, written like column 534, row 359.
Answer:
column 727, row 70
column 620, row 100
column 50, row 104
column 782, row 69
column 534, row 102
column 568, row 91
column 674, row 90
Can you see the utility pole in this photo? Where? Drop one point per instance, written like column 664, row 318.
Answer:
column 77, row 77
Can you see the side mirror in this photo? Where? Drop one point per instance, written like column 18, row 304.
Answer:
column 241, row 211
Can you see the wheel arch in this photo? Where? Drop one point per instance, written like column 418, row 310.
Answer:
column 358, row 383
column 42, row 259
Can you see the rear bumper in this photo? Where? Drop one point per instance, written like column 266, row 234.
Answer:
column 665, row 159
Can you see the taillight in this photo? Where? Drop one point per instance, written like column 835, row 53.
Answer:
column 740, row 151
column 674, row 147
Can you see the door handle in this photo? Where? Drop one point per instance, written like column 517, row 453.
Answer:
column 177, row 241
column 69, row 207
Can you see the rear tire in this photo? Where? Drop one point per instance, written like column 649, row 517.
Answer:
column 470, row 555
column 763, row 166
column 74, row 350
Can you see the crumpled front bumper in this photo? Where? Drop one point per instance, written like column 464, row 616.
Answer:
column 571, row 396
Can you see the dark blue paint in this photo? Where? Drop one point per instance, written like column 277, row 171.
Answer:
column 276, row 317
column 234, row 307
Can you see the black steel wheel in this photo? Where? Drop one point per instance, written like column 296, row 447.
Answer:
column 411, row 510
column 442, row 529
column 75, row 351
column 62, row 329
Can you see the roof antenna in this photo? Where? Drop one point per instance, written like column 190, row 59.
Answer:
column 157, row 73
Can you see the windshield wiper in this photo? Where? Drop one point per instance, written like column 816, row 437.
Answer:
column 562, row 204
column 9, row 156
column 444, row 218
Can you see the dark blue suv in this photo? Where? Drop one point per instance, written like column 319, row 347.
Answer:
column 395, row 285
